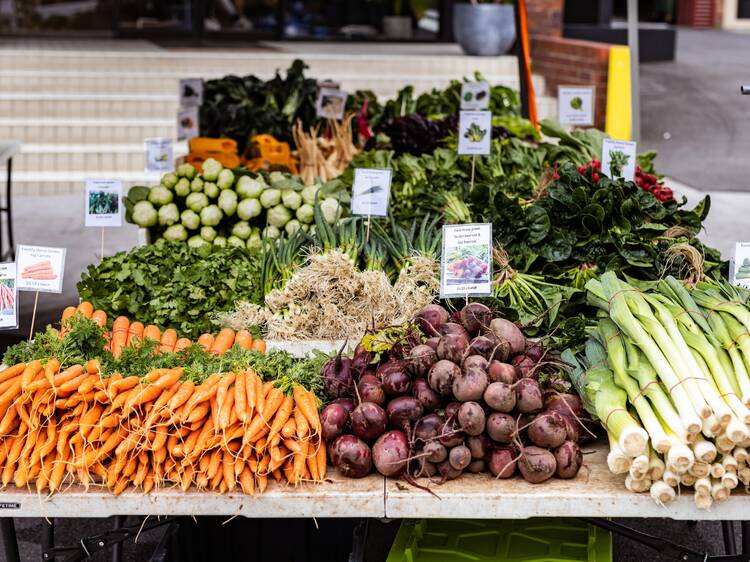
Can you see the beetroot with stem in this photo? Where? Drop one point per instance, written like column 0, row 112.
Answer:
column 470, row 385
column 368, row 421
column 347, row 403
column 569, row 460
column 333, row 421
column 506, row 331
column 447, row 471
column 351, row 456
column 502, row 372
column 475, row 317
column 475, row 361
column 441, row 376
column 536, row 464
column 420, row 359
column 451, row 434
column 524, row 364
column 471, row 418
column 528, row 396
column 435, row 452
column 502, row 462
column 565, row 403
column 404, row 412
column 501, row 427
column 459, row 457
column 396, row 380
column 547, row 430
column 337, row 377
column 479, row 445
column 429, row 399
column 451, row 410
column 433, row 342
column 454, row 329
column 420, row 467
column 484, row 346
column 370, row 389
column 360, row 360
column 500, row 397
column 431, row 318
column 534, row 350
column 391, row 453
column 428, row 427
column 452, row 347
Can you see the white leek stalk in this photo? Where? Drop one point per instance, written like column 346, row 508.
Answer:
column 661, row 493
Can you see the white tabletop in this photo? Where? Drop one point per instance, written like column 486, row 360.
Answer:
column 8, row 149
column 593, row 493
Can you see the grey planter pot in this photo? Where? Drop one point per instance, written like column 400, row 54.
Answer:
column 484, row 30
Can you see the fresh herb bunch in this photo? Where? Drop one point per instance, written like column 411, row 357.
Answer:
column 172, row 285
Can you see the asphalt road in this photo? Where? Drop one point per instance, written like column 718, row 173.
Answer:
column 693, row 114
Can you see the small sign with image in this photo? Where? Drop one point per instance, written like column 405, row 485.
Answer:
column 575, row 105
column 8, row 296
column 474, row 132
column 104, row 203
column 740, row 270
column 159, row 155
column 371, row 192
column 475, row 95
column 618, row 159
column 331, row 103
column 466, row 262
column 40, row 268
column 188, row 123
column 191, row 92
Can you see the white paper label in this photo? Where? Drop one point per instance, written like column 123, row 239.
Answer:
column 575, row 105
column 103, row 203
column 8, row 296
column 740, row 270
column 475, row 95
column 188, row 123
column 191, row 92
column 618, row 159
column 331, row 103
column 40, row 269
column 474, row 132
column 466, row 261
column 159, row 156
column 371, row 192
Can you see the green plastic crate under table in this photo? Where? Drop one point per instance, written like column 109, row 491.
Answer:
column 507, row 540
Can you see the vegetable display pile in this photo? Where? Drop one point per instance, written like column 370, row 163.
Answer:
column 216, row 207
column 151, row 417
column 666, row 373
column 471, row 398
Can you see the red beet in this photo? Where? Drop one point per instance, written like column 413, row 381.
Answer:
column 429, row 399
column 479, row 445
column 459, row 457
column 433, row 342
column 476, row 466
column 569, row 460
column 451, row 434
column 475, row 361
column 501, row 427
column 452, row 348
column 428, row 427
column 500, row 397
column 475, row 317
column 420, row 359
column 471, row 418
column 403, row 412
column 391, row 453
column 454, row 329
column 536, row 464
column 502, row 462
column 547, row 430
column 502, row 372
column 333, row 420
column 431, row 318
column 470, row 385
column 351, row 456
column 360, row 360
column 506, row 331
column 528, row 396
column 347, row 403
column 441, row 376
column 534, row 350
column 435, row 452
column 567, row 404
column 368, row 421
column 396, row 381
column 524, row 364
column 337, row 377
column 370, row 389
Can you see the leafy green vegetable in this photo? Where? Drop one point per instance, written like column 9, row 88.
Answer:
column 475, row 133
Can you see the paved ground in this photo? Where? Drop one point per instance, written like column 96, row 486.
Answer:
column 693, row 113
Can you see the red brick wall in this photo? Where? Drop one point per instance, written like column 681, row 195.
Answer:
column 545, row 17
column 572, row 62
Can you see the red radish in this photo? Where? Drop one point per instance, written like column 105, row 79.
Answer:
column 403, row 412
column 536, row 464
column 528, row 396
column 547, row 430
column 391, row 453
column 471, row 418
column 370, row 389
column 441, row 376
column 502, row 462
column 501, row 427
column 502, row 372
column 470, row 385
column 431, row 318
column 420, row 359
column 429, row 399
column 452, row 347
column 506, row 331
column 500, row 397
column 333, row 421
column 569, row 460
column 475, row 361
column 475, row 317
column 351, row 456
column 459, row 457
column 368, row 421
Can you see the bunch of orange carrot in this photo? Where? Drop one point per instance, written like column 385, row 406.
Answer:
column 231, row 431
column 124, row 332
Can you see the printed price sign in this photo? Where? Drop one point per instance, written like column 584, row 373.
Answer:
column 475, row 95
column 188, row 121
column 191, row 92
column 159, row 156
column 371, row 192
column 40, row 268
column 104, row 203
column 466, row 262
column 8, row 296
column 331, row 103
column 474, row 132
column 618, row 159
column 740, row 267
column 575, row 105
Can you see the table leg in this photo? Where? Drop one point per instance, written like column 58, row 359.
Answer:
column 10, row 541
column 745, row 537
column 117, row 547
column 730, row 544
column 8, row 191
column 48, row 534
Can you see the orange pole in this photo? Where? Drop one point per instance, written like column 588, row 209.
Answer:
column 524, row 38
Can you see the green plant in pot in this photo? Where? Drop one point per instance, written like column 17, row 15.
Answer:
column 484, row 28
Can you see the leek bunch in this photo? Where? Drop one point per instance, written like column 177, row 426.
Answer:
column 666, row 372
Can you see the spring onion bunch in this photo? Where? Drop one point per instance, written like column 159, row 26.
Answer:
column 666, row 370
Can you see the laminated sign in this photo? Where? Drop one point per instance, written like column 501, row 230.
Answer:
column 371, row 192
column 104, row 203
column 40, row 268
column 474, row 132
column 188, row 123
column 8, row 296
column 475, row 95
column 575, row 105
column 191, row 92
column 740, row 266
column 331, row 103
column 618, row 159
column 466, row 261
column 159, row 155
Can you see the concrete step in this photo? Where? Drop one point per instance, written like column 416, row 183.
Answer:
column 86, row 130
column 39, row 105
column 32, row 183
column 44, row 157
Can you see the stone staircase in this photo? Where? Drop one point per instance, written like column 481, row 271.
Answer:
column 82, row 109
